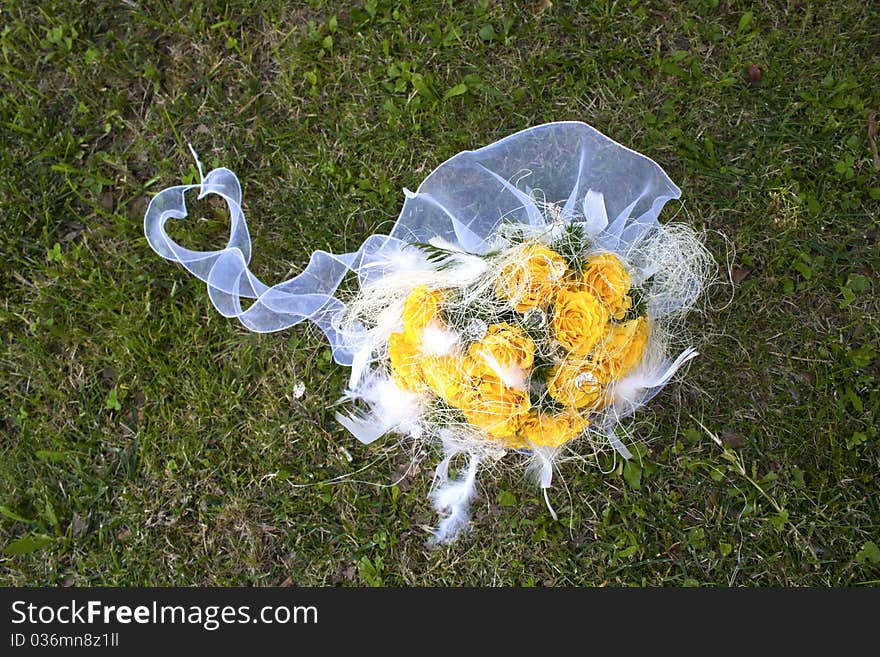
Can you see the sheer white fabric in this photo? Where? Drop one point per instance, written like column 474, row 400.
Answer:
column 616, row 194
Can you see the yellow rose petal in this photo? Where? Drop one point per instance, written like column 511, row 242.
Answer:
column 504, row 347
column 406, row 363
column 608, row 280
column 532, row 278
column 449, row 377
column 421, row 307
column 624, row 347
column 552, row 430
column 496, row 408
column 579, row 320
column 577, row 383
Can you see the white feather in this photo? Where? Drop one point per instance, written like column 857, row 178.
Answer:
column 390, row 408
column 628, row 392
column 437, row 341
column 468, row 268
column 453, row 498
column 444, row 244
column 461, row 266
column 541, row 469
column 409, row 260
column 541, row 465
column 513, row 377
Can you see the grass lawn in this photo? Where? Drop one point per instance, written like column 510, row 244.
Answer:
column 145, row 439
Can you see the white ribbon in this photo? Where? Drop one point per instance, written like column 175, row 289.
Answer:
column 463, row 201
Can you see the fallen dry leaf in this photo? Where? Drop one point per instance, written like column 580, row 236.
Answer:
column 754, row 73
column 732, row 439
column 403, row 475
column 74, row 229
column 739, row 274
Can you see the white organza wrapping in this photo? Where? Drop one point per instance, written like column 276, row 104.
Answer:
column 615, row 192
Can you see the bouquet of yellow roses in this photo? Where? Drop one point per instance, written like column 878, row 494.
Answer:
column 531, row 370
column 526, row 298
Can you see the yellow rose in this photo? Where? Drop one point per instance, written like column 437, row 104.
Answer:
column 406, row 363
column 551, row 430
column 624, row 347
column 578, row 383
column 421, row 307
column 579, row 320
column 495, row 407
column 504, row 347
column 449, row 377
column 532, row 278
column 607, row 278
